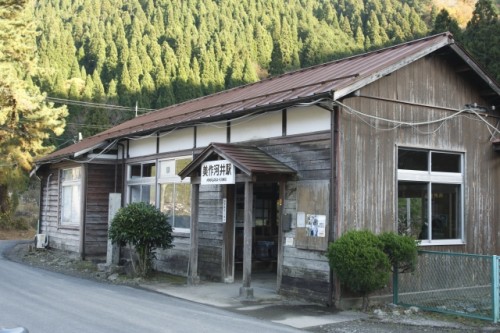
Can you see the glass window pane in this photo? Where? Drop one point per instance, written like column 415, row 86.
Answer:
column 149, row 170
column 445, row 211
column 71, row 174
column 443, row 162
column 70, row 210
column 182, row 213
column 66, row 204
column 135, row 193
column 412, row 209
column 167, row 199
column 135, row 171
column 181, row 164
column 413, row 159
column 167, row 169
column 148, row 194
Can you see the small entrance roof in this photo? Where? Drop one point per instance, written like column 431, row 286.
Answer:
column 249, row 159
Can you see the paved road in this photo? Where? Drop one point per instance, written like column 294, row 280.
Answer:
column 46, row 302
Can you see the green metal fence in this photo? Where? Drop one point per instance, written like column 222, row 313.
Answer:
column 454, row 283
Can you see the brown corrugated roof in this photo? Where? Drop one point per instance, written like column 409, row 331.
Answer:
column 249, row 159
column 335, row 79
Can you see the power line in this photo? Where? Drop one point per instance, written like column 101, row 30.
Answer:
column 97, row 105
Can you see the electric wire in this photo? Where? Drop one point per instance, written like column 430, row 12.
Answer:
column 96, row 105
column 416, row 125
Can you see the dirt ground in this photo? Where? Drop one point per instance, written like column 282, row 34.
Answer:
column 17, row 234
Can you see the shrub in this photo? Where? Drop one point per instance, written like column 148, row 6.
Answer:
column 145, row 228
column 401, row 251
column 359, row 262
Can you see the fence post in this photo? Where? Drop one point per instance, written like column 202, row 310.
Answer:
column 395, row 286
column 495, row 288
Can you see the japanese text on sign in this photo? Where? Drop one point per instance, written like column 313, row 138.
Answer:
column 217, row 172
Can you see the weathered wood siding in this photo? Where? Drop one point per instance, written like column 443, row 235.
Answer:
column 101, row 181
column 210, row 240
column 63, row 238
column 304, row 271
column 368, row 155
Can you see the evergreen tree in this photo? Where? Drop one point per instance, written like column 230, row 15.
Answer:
column 482, row 36
column 26, row 120
column 444, row 22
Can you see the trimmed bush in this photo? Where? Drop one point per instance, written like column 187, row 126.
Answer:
column 362, row 260
column 401, row 251
column 144, row 227
column 358, row 260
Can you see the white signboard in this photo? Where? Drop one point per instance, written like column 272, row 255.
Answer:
column 217, row 173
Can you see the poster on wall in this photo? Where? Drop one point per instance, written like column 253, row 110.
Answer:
column 316, row 225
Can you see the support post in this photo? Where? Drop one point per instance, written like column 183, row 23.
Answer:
column 246, row 291
column 193, row 277
column 113, row 252
column 495, row 288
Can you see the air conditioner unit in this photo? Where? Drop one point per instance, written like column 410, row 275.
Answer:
column 42, row 241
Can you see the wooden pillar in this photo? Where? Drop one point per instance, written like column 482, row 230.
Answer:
column 246, row 290
column 193, row 277
column 281, row 217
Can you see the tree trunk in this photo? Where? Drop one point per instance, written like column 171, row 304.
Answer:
column 365, row 303
column 4, row 199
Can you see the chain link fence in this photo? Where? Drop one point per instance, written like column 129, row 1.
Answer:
column 455, row 283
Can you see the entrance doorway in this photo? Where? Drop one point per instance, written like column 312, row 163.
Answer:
column 265, row 231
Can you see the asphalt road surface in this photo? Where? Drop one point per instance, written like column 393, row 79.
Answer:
column 48, row 302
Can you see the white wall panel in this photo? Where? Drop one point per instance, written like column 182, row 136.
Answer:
column 206, row 134
column 307, row 119
column 177, row 140
column 261, row 126
column 142, row 147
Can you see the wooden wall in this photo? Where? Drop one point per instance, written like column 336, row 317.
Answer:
column 66, row 238
column 101, row 181
column 368, row 155
column 304, row 267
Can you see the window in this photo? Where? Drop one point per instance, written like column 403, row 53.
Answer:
column 71, row 204
column 175, row 194
column 430, row 195
column 141, row 182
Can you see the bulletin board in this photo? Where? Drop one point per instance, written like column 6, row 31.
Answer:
column 313, row 199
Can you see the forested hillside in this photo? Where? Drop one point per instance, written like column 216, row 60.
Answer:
column 161, row 52
column 154, row 53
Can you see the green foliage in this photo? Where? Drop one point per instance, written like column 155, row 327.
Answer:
column 158, row 53
column 401, row 251
column 142, row 226
column 482, row 36
column 26, row 120
column 358, row 260
column 362, row 260
column 444, row 22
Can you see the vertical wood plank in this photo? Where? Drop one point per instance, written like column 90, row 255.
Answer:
column 193, row 277
column 246, row 290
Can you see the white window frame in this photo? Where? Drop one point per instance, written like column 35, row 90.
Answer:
column 432, row 177
column 76, row 204
column 141, row 181
column 172, row 178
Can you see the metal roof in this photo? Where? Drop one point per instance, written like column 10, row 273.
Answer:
column 334, row 79
column 249, row 159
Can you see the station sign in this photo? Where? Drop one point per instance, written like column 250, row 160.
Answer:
column 217, row 173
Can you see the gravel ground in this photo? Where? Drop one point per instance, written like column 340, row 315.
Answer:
column 390, row 319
